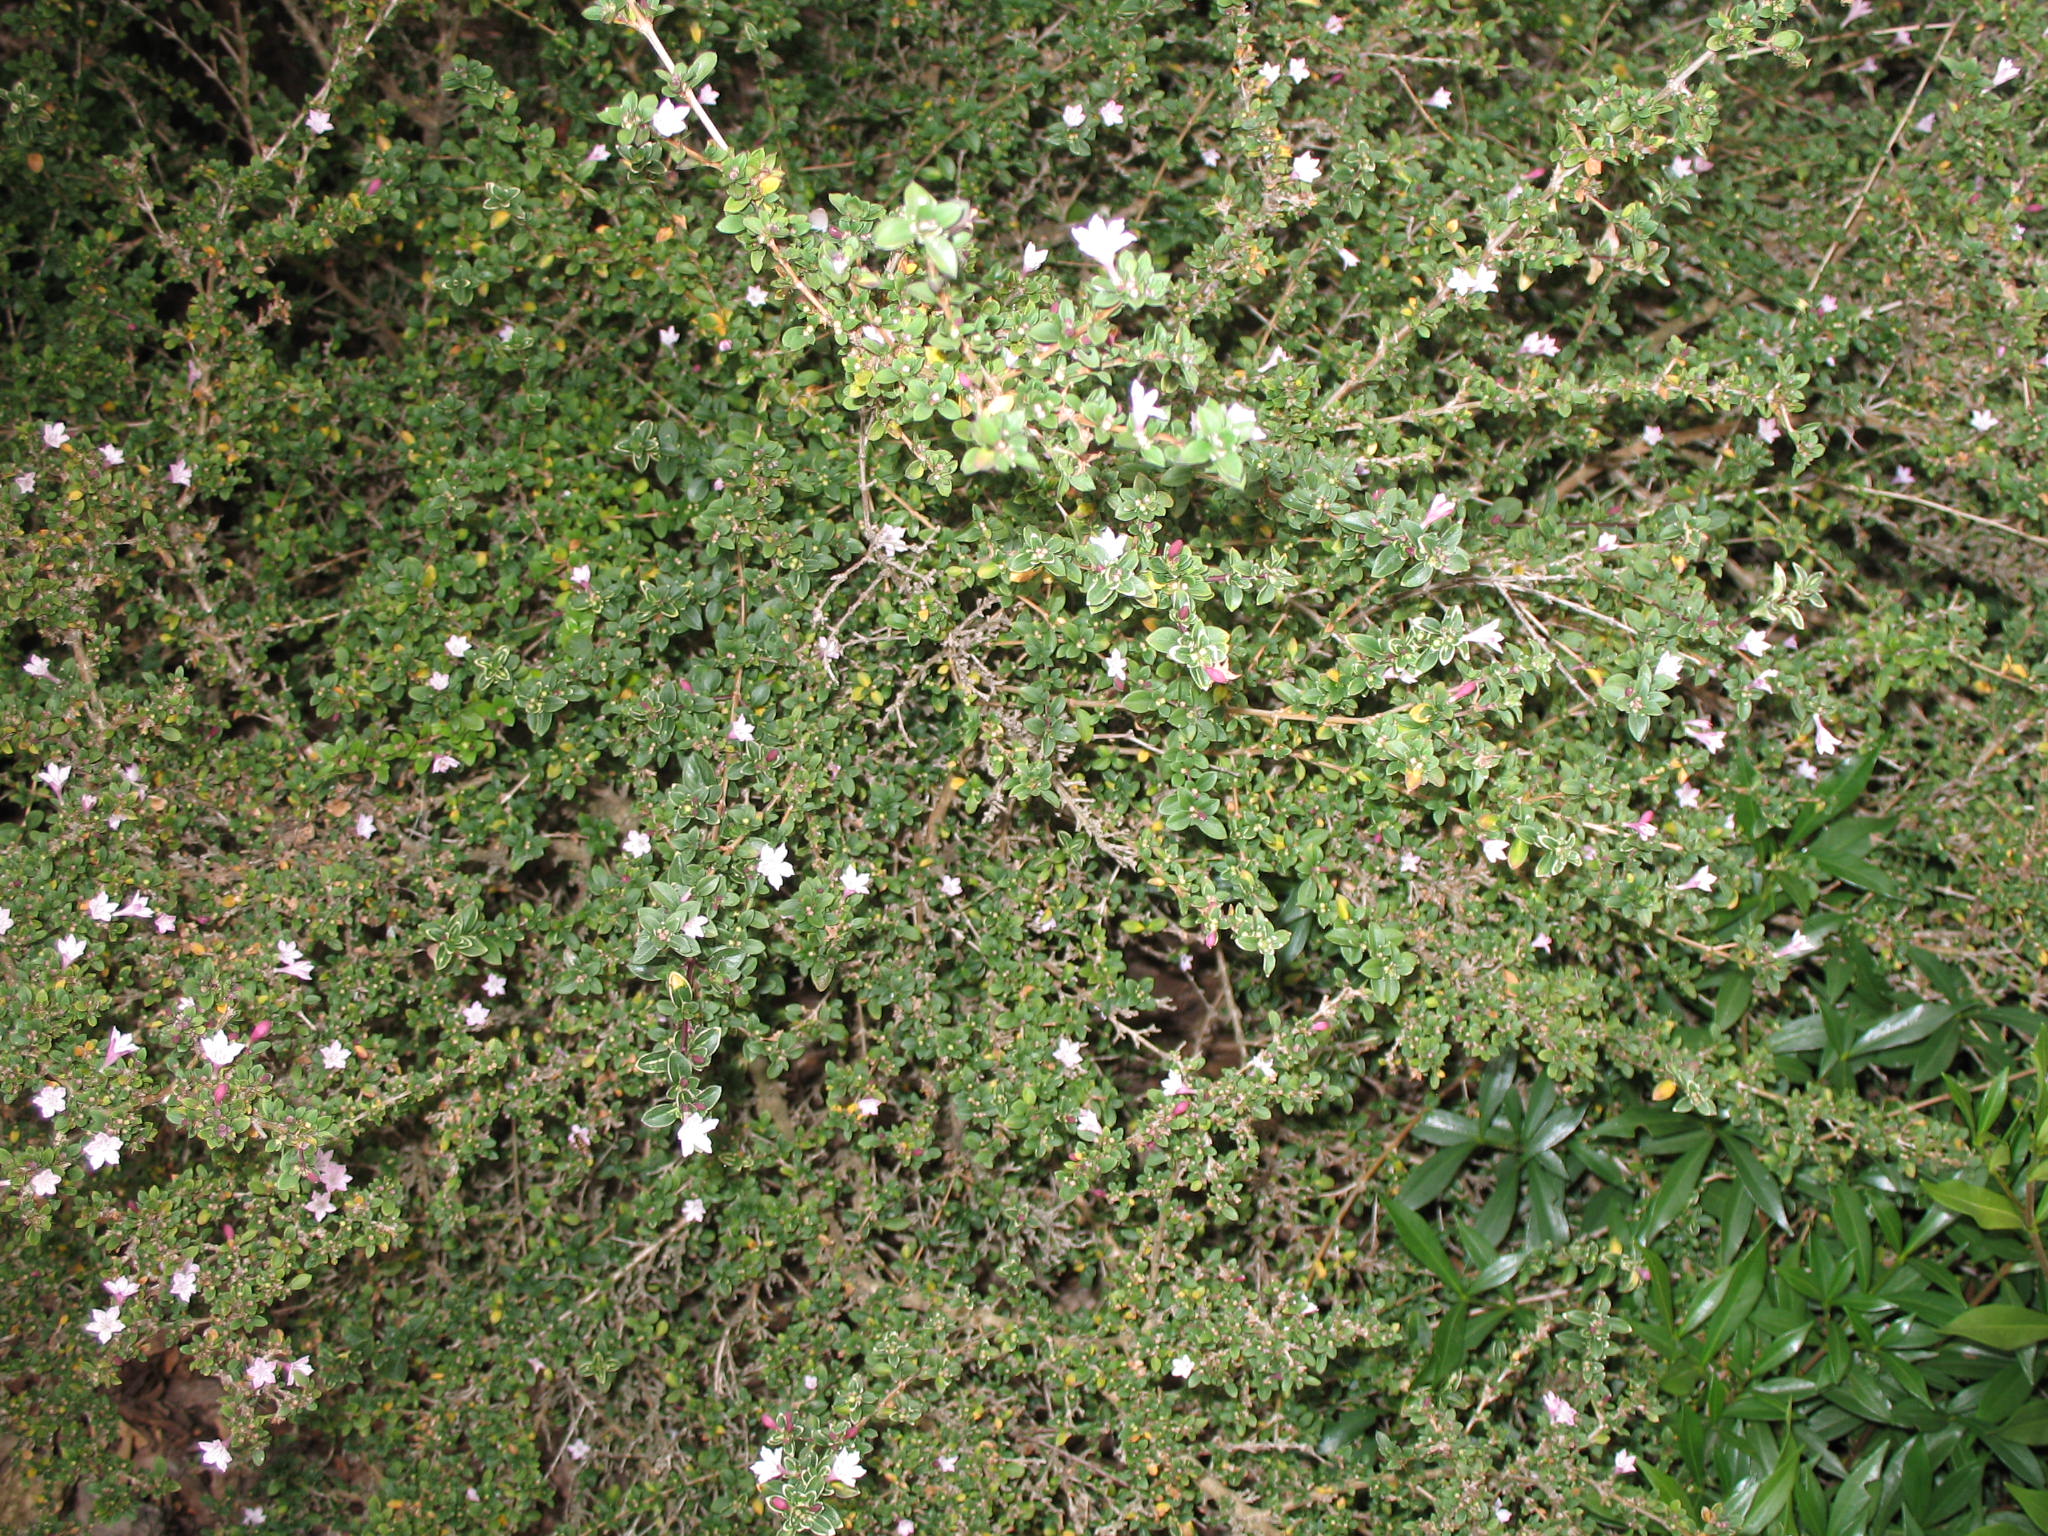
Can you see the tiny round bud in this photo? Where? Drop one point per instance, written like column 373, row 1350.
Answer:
column 261, row 1030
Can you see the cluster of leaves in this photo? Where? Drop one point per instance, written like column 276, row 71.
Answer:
column 1014, row 769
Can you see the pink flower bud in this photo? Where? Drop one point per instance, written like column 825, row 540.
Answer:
column 686, row 685
column 1209, row 940
column 261, row 1031
column 777, row 1503
column 1175, row 548
column 374, row 186
column 220, row 1094
column 767, row 1421
column 1467, row 686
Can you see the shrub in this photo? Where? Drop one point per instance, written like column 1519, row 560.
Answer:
column 692, row 839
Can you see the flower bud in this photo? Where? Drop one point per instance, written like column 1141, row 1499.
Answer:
column 261, row 1030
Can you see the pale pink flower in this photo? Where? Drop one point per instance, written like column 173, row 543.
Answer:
column 180, row 472
column 112, row 455
column 106, row 1322
column 214, row 1453
column 36, row 666
column 1307, row 167
column 1562, row 1413
column 318, row 121
column 457, row 646
column 1539, row 344
column 55, row 435
column 1111, row 113
column 1701, row 879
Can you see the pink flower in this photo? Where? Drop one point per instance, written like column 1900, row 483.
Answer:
column 118, row 1045
column 1539, row 344
column 321, row 1206
column 106, row 1322
column 214, row 1453
column 1111, row 113
column 457, row 646
column 445, row 764
column 1701, row 879
column 318, row 121
column 112, row 455
column 291, row 961
column 1562, row 1413
column 70, row 950
column 55, row 435
column 36, row 666
column 180, row 472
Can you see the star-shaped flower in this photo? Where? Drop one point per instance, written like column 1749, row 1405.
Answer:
column 768, row 1466
column 1465, row 281
column 106, row 1322
column 1073, row 114
column 1068, row 1054
column 846, row 1468
column 1183, row 1366
column 318, row 121
column 215, row 1454
column 1307, row 167
column 219, row 1049
column 638, row 844
column 772, row 861
column 49, row 1101
column 457, row 646
column 1562, row 1413
column 1034, row 257
column 669, row 119
column 334, row 1056
column 55, row 435
column 693, row 1135
column 855, row 882
column 1101, row 239
column 741, row 729
column 103, row 1151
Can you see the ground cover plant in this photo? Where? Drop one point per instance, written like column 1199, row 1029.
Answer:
column 1022, row 768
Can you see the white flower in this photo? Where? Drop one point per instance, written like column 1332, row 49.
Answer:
column 768, row 1466
column 1297, row 70
column 1111, row 113
column 2005, row 72
column 457, row 646
column 638, row 844
column 1681, row 167
column 1116, row 665
column 756, row 295
column 1307, row 167
column 366, row 826
column 185, row 1283
column 708, row 95
column 476, row 1015
column 292, row 961
column 693, row 1210
column 670, row 119
column 1211, row 156
column 1624, row 1462
column 1487, row 634
column 1767, row 430
column 1825, row 742
column 43, row 1183
column 599, row 153
column 56, row 775
column 668, row 336
column 1539, row 344
column 1653, row 435
column 1669, row 665
column 334, row 1056
column 829, row 649
column 949, row 885
column 846, row 1468
column 1144, row 406
column 948, row 1463
column 1761, row 683
column 1173, row 1084
column 1607, row 543
column 49, row 1102
column 1924, row 124
column 6, row 919
column 1066, row 1052
column 1562, row 1413
column 1088, row 1124
column 1799, row 944
column 694, row 1134
column 103, row 1151
column 772, row 861
column 1100, row 239
column 439, row 681
column 891, row 540
column 1902, row 474
column 1493, row 849
column 70, row 949
column 494, row 984
column 137, row 905
column 854, row 881
column 36, row 666
column 1110, row 545
column 1246, row 421
column 1411, row 861
column 1073, row 114
column 262, row 1372
column 1983, row 421
column 120, row 1288
column 318, row 121
column 1542, row 942
column 1502, row 1514
column 1702, row 731
column 321, row 1206
column 578, row 1449
column 1263, row 1065
column 215, row 1454
column 106, row 1322
column 101, row 908
column 1270, row 73
column 867, row 1108
column 180, row 472
column 1701, row 879
column 1348, row 258
column 1034, row 257
column 1439, row 100
column 1469, row 280
column 54, row 435
column 119, row 1045
column 1183, row 1366
column 1333, row 25
column 219, row 1049
column 252, row 1514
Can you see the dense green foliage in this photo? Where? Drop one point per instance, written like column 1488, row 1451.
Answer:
column 1362, row 854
